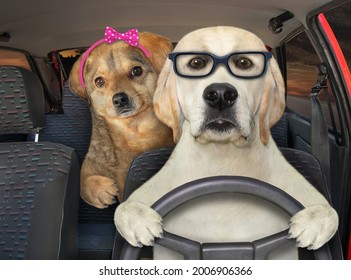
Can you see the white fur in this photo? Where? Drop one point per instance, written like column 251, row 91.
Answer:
column 239, row 152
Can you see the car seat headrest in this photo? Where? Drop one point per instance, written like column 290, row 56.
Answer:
column 22, row 108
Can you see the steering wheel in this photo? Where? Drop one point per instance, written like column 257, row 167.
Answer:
column 258, row 249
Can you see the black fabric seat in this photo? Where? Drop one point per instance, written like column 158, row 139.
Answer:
column 72, row 128
column 39, row 181
column 146, row 165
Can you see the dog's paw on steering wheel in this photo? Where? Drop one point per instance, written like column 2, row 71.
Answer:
column 139, row 224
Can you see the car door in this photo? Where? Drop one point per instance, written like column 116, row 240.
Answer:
column 321, row 54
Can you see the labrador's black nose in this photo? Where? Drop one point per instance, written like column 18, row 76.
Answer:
column 220, row 96
column 120, row 99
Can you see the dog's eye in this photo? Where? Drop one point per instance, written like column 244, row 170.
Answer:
column 136, row 71
column 243, row 63
column 99, row 82
column 197, row 63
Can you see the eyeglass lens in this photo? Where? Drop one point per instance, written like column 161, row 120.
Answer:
column 241, row 65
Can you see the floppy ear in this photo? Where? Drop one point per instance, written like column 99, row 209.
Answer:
column 273, row 101
column 158, row 46
column 74, row 83
column 166, row 104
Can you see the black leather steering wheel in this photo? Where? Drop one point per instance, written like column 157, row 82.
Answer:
column 258, row 249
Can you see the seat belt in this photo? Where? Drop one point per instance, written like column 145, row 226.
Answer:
column 319, row 131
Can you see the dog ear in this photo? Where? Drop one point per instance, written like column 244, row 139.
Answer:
column 273, row 101
column 166, row 104
column 158, row 46
column 74, row 83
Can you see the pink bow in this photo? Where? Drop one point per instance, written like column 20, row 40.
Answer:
column 131, row 36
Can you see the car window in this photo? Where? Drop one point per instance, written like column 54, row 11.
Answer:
column 68, row 58
column 302, row 63
column 13, row 58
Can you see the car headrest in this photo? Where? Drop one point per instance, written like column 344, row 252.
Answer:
column 22, row 108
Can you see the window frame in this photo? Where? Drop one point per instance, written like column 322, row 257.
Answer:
column 342, row 97
column 342, row 101
column 325, row 53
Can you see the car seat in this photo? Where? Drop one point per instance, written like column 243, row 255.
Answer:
column 39, row 181
column 72, row 127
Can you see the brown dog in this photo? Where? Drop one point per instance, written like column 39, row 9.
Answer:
column 120, row 81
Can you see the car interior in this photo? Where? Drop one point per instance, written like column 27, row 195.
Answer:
column 45, row 129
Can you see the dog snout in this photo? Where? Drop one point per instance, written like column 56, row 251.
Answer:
column 220, row 96
column 120, row 99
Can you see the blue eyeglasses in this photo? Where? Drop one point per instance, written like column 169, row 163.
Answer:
column 245, row 65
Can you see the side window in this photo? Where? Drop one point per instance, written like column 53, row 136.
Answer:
column 63, row 61
column 68, row 58
column 13, row 58
column 302, row 72
column 301, row 67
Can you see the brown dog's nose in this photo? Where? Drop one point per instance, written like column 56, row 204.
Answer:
column 120, row 99
column 220, row 96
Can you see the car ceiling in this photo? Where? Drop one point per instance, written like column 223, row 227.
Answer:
column 40, row 26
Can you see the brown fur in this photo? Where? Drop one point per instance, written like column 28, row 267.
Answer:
column 117, row 137
column 166, row 103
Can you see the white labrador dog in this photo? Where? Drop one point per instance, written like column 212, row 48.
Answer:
column 221, row 102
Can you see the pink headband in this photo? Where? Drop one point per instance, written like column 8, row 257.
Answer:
column 131, row 37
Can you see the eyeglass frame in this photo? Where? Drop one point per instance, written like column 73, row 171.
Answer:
column 219, row 60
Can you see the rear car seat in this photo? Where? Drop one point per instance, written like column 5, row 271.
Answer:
column 39, row 181
column 72, row 128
